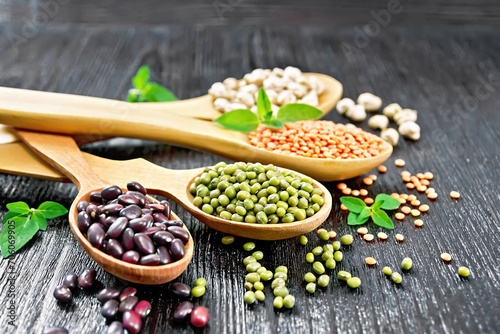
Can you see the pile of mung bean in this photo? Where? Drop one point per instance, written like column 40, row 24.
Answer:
column 254, row 193
column 282, row 86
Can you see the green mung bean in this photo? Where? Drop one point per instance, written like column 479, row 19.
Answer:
column 387, row 270
column 252, row 267
column 318, row 268
column 280, row 274
column 289, row 301
column 311, row 287
column 248, row 260
column 278, row 302
column 310, row 257
column 326, row 255
column 259, row 295
column 249, row 246
column 248, row 286
column 200, row 282
column 464, row 271
column 258, row 286
column 354, row 282
column 338, row 256
column 343, row 275
column 280, row 291
column 323, row 280
column 227, row 240
column 258, row 255
column 346, row 239
column 278, row 282
column 407, row 263
column 328, row 248
column 267, row 275
column 318, row 250
column 336, row 245
column 309, row 277
column 303, row 240
column 282, row 269
column 323, row 235
column 198, row 291
column 249, row 297
column 330, row 264
column 396, row 277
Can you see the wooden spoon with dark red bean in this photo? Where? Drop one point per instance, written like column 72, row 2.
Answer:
column 98, row 209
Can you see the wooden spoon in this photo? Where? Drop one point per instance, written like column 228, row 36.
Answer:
column 63, row 153
column 174, row 184
column 125, row 120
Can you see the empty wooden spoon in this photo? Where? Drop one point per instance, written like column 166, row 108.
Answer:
column 63, row 153
column 126, row 120
column 174, row 184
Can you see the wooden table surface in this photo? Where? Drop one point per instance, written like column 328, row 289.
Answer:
column 450, row 74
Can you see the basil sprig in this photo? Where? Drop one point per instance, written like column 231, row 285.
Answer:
column 360, row 212
column 245, row 120
column 146, row 91
column 20, row 224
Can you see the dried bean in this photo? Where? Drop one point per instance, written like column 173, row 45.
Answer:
column 87, row 278
column 182, row 311
column 130, row 291
column 132, row 321
column 62, row 293
column 108, row 294
column 131, row 256
column 71, row 281
column 128, row 303
column 109, row 309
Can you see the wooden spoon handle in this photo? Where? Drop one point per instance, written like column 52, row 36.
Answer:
column 62, row 153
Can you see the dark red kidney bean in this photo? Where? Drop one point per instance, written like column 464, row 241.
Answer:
column 109, row 220
column 136, row 186
column 92, row 211
column 87, row 278
column 180, row 290
column 117, row 228
column 115, row 201
column 159, row 217
column 111, row 192
column 163, row 238
column 82, row 206
column 132, row 321
column 96, row 197
column 139, row 196
column 156, row 207
column 150, row 260
column 165, row 257
column 128, row 238
column 103, row 221
column 162, row 226
column 71, row 281
column 104, row 246
column 146, row 212
column 182, row 311
column 95, row 235
column 128, row 303
column 131, row 256
column 55, row 330
column 107, row 294
column 168, row 208
column 174, row 223
column 179, row 232
column 149, row 218
column 199, row 316
column 152, row 230
column 109, row 309
column 112, row 209
column 131, row 212
column 176, row 248
column 116, row 327
column 144, row 243
column 83, row 221
column 62, row 293
column 143, row 308
column 138, row 224
column 115, row 248
column 127, row 200
column 130, row 291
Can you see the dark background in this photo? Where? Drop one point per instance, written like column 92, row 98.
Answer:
column 439, row 57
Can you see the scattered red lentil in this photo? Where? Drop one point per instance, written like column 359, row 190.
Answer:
column 432, row 195
column 415, row 202
column 317, row 139
column 368, row 237
column 405, row 173
column 400, row 237
column 446, row 257
column 406, row 178
column 369, row 200
column 430, row 190
column 420, row 176
column 425, row 182
column 355, row 193
column 382, row 169
column 423, row 208
column 406, row 210
column 382, row 235
column 395, row 195
column 428, row 175
column 332, row 234
column 399, row 162
column 404, row 196
column 455, row 194
column 410, row 186
column 346, row 191
column 367, row 181
column 422, row 188
column 373, row 177
column 418, row 222
column 411, row 197
column 363, row 192
column 370, row 261
column 402, row 201
column 399, row 216
column 362, row 230
column 341, row 186
column 343, row 207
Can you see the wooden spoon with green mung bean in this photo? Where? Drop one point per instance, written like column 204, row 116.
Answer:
column 173, row 184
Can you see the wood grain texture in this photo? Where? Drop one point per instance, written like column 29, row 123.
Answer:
column 451, row 76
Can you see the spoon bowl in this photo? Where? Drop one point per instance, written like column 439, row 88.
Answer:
column 63, row 153
column 174, row 184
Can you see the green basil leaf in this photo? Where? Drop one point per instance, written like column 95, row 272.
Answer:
column 40, row 220
column 353, row 204
column 10, row 215
column 273, row 123
column 51, row 210
column 12, row 239
column 377, row 205
column 294, row 112
column 135, row 95
column 382, row 219
column 240, row 120
column 154, row 92
column 19, row 207
column 364, row 215
column 264, row 110
column 390, row 203
column 142, row 77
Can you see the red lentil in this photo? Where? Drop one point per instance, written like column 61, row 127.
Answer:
column 369, row 200
column 355, row 193
column 368, row 237
column 446, row 257
column 362, row 230
column 382, row 169
column 317, row 139
column 399, row 162
column 363, row 192
column 455, row 194
column 370, row 261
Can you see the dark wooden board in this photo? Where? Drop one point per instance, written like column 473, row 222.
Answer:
column 450, row 75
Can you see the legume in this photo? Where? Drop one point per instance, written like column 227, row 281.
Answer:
column 303, row 240
column 249, row 246
column 323, row 280
column 249, row 297
column 317, row 251
column 369, row 237
column 407, row 263
column 323, row 235
column 418, row 222
column 317, row 139
column 464, row 271
column 318, row 268
column 289, row 301
column 362, row 230
column 311, row 287
column 198, row 291
column 396, row 277
column 370, row 261
column 387, row 270
column 399, row 162
column 336, row 245
column 400, row 237
column 338, row 256
column 330, row 264
column 259, row 295
column 346, row 239
column 353, row 282
column 258, row 255
column 382, row 235
column 199, row 316
column 446, row 257
column 278, row 302
column 455, row 194
column 343, row 275
column 382, row 169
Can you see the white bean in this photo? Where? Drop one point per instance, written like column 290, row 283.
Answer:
column 370, row 102
column 344, row 105
column 378, row 122
column 390, row 135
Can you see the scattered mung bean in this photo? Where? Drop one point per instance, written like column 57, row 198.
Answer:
column 353, row 282
column 323, row 280
column 343, row 275
column 249, row 297
column 311, row 287
column 387, row 270
column 278, row 302
column 396, row 277
column 303, row 240
column 346, row 239
column 310, row 257
column 464, row 271
column 289, row 301
column 407, row 263
column 318, row 268
column 249, row 246
column 259, row 295
column 258, row 255
column 330, row 264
